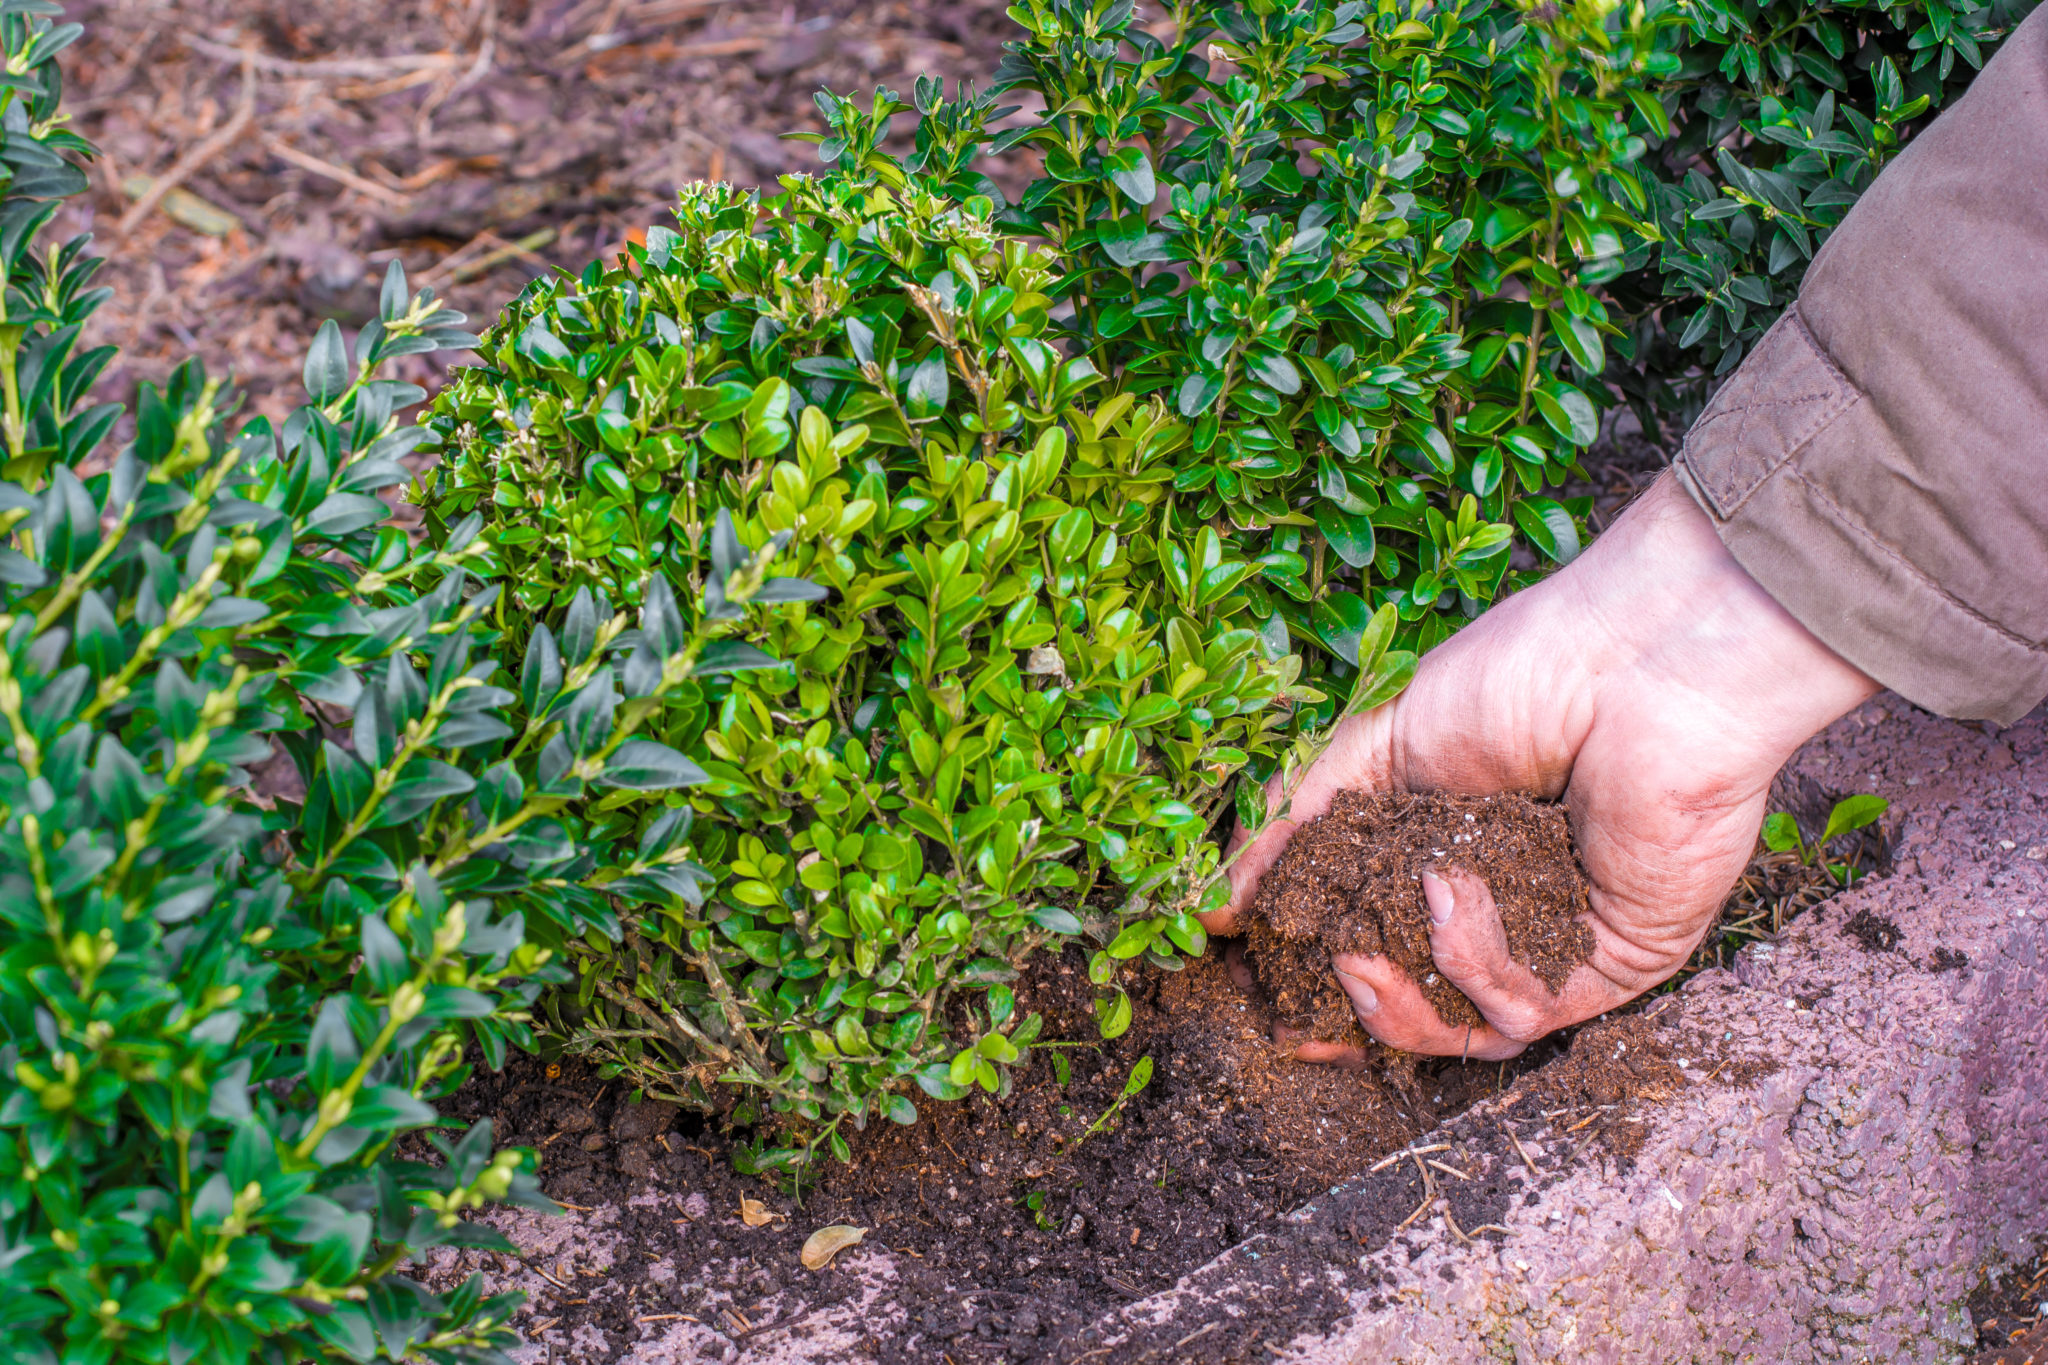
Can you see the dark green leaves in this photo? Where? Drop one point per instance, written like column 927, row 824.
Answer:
column 327, row 367
column 1548, row 527
column 1275, row 371
column 929, row 387
column 1131, row 172
column 644, row 765
column 1350, row 536
column 384, row 957
column 1569, row 413
column 222, row 892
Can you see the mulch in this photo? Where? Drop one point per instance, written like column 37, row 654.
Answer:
column 480, row 142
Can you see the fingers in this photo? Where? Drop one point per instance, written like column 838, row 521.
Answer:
column 1240, row 971
column 1470, row 947
column 1343, row 1056
column 1393, row 1009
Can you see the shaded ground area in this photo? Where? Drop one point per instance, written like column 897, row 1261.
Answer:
column 475, row 140
column 2011, row 1316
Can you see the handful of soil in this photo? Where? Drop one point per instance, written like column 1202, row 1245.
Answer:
column 1350, row 881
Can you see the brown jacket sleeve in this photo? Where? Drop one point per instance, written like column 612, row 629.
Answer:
column 1879, row 463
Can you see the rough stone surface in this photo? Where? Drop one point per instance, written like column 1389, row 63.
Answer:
column 1838, row 1205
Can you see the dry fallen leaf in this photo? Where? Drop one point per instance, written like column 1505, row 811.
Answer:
column 754, row 1213
column 821, row 1246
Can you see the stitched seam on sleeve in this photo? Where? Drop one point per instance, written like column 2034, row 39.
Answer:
column 1844, row 518
column 1729, row 497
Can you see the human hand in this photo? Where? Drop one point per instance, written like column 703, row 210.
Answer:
column 1655, row 686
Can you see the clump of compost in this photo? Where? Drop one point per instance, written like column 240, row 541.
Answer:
column 1351, row 882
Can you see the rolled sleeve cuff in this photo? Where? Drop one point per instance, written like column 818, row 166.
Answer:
column 1749, row 462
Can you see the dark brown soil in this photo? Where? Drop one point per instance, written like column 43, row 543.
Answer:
column 1351, row 882
column 1876, row 933
column 481, row 142
column 2011, row 1316
column 1015, row 1230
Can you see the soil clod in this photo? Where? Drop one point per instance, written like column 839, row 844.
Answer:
column 1876, row 933
column 1351, row 882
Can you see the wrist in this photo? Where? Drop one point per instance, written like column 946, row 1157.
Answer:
column 1677, row 617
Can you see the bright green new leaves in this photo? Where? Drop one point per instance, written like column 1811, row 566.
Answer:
column 1010, row 711
column 1781, row 833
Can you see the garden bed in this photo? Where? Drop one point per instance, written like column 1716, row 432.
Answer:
column 1814, row 1152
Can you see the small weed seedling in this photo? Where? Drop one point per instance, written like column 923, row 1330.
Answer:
column 1851, row 813
column 1035, row 1201
column 1062, row 1069
column 1140, row 1077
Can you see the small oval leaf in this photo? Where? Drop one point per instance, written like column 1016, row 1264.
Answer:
column 821, row 1246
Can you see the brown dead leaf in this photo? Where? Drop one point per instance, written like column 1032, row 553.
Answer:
column 821, row 1246
column 755, row 1214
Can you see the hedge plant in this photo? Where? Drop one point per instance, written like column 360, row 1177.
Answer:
column 1781, row 115
column 1013, row 718
column 1111, row 508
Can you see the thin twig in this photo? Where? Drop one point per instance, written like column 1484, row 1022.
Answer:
column 1406, row 1152
column 195, row 160
column 362, row 68
column 523, row 249
column 1521, row 1152
column 340, row 175
column 1428, row 1189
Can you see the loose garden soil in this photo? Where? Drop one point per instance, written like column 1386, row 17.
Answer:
column 1351, row 882
column 1015, row 1227
column 1015, row 1230
column 2011, row 1317
column 1230, row 1135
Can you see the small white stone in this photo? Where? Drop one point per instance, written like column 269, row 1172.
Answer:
column 2007, row 844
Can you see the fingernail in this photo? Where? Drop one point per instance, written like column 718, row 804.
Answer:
column 1363, row 998
column 1437, row 892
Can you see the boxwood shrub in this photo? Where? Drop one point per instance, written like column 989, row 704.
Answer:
column 1014, row 718
column 228, row 1002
